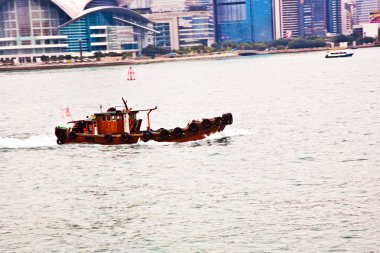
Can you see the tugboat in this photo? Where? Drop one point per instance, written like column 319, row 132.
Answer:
column 123, row 127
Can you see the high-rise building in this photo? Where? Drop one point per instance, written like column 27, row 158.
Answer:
column 348, row 11
column 290, row 13
column 182, row 23
column 243, row 21
column 32, row 28
column 261, row 20
column 363, row 10
column 313, row 17
column 334, row 16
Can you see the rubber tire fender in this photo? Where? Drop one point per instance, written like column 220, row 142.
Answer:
column 125, row 136
column 225, row 119
column 218, row 121
column 147, row 135
column 177, row 131
column 230, row 119
column 60, row 142
column 164, row 134
column 193, row 127
column 206, row 123
column 108, row 138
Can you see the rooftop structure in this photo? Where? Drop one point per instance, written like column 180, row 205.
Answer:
column 168, row 5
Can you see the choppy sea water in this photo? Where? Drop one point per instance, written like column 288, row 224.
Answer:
column 298, row 171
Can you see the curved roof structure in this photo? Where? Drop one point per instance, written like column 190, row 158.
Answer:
column 120, row 10
column 74, row 8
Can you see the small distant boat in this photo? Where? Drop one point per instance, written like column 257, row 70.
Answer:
column 121, row 126
column 338, row 54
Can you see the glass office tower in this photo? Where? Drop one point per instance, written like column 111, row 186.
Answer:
column 313, row 18
column 261, row 20
column 334, row 16
column 243, row 21
column 107, row 29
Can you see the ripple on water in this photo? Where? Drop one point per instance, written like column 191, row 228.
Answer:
column 297, row 171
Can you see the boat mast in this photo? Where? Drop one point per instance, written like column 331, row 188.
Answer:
column 125, row 104
column 126, row 117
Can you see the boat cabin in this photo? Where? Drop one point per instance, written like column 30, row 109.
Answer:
column 111, row 122
column 86, row 126
column 117, row 122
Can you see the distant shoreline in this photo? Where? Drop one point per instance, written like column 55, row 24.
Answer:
column 105, row 62
column 159, row 59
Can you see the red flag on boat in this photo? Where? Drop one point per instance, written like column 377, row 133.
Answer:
column 66, row 113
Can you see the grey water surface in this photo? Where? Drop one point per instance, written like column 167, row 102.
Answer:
column 298, row 171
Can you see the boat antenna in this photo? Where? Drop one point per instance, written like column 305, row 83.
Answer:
column 125, row 103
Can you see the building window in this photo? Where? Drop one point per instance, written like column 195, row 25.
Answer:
column 26, row 42
column 37, row 32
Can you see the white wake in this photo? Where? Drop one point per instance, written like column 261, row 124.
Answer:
column 50, row 140
column 30, row 142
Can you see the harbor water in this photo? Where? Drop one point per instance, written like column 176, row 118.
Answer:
column 297, row 171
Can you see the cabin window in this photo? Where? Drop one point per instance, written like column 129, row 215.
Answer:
column 108, row 118
column 103, row 118
column 113, row 117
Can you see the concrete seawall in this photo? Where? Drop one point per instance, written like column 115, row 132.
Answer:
column 115, row 63
column 159, row 59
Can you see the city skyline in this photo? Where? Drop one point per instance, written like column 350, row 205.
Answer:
column 35, row 27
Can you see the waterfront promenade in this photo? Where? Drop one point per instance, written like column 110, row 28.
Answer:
column 114, row 61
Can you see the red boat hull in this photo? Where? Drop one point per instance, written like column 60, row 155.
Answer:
column 196, row 130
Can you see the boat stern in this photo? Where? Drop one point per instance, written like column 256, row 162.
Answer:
column 61, row 133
